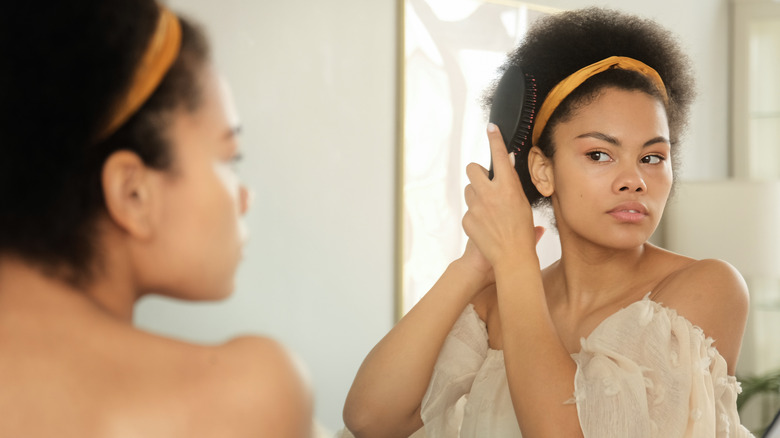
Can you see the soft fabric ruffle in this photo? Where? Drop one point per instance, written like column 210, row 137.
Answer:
column 644, row 372
column 461, row 357
column 648, row 372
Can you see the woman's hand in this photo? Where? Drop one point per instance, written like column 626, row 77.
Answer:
column 473, row 262
column 499, row 220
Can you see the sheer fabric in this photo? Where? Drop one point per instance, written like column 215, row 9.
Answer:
column 645, row 371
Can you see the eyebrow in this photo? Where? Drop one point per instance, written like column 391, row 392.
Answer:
column 612, row 140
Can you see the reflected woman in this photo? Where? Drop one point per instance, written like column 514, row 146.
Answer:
column 117, row 181
column 618, row 338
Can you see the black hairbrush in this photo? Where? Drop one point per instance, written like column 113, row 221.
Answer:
column 513, row 110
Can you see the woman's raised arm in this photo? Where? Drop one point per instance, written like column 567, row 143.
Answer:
column 539, row 370
column 386, row 396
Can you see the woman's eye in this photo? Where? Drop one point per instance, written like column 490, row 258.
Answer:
column 598, row 156
column 652, row 159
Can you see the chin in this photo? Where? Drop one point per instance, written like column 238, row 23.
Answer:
column 216, row 292
column 223, row 292
column 628, row 242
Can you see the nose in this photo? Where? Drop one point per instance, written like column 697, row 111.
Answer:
column 244, row 199
column 630, row 180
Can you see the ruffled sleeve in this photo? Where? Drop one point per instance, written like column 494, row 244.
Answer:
column 648, row 372
column 459, row 360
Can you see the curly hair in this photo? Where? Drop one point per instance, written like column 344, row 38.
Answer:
column 558, row 45
column 57, row 85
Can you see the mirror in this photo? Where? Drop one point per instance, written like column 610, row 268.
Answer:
column 451, row 51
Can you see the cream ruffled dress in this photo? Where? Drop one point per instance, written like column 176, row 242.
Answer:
column 645, row 371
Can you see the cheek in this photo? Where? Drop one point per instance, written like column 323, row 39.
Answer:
column 236, row 196
column 571, row 201
column 228, row 180
column 663, row 179
column 207, row 199
column 669, row 176
column 228, row 188
column 578, row 188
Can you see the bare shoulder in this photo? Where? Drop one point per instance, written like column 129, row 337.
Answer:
column 712, row 295
column 248, row 386
column 134, row 383
column 258, row 389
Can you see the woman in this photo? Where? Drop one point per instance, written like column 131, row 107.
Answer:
column 116, row 181
column 615, row 338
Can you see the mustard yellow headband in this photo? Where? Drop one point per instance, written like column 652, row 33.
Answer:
column 566, row 86
column 160, row 54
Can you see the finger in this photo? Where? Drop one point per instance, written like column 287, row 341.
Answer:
column 469, row 194
column 501, row 163
column 475, row 172
column 539, row 233
column 466, row 223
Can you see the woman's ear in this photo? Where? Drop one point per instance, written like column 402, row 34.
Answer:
column 540, row 168
column 128, row 189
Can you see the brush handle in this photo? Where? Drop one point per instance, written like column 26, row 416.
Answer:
column 508, row 106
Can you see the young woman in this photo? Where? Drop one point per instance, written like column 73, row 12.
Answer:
column 615, row 339
column 116, row 181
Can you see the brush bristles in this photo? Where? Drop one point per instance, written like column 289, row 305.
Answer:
column 523, row 134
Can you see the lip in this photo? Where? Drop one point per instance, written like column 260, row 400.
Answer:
column 629, row 212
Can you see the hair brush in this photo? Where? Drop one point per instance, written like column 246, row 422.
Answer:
column 513, row 110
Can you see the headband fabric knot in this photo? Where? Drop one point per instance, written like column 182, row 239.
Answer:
column 162, row 51
column 570, row 83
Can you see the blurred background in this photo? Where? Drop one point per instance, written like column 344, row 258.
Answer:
column 317, row 86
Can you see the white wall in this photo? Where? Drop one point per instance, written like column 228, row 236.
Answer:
column 315, row 83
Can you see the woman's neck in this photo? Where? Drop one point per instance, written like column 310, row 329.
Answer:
column 26, row 287
column 589, row 276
